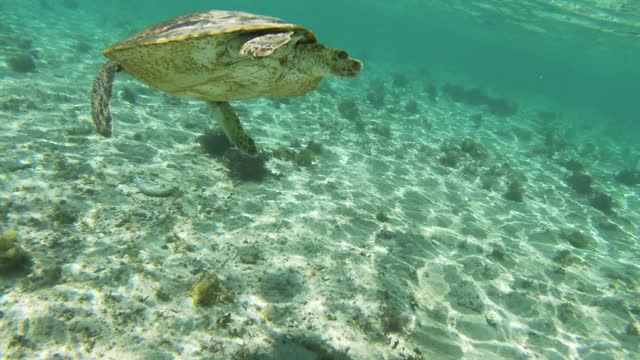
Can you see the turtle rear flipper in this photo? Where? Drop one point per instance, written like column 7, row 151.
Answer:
column 100, row 96
column 222, row 112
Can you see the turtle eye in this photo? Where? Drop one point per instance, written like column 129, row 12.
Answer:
column 342, row 55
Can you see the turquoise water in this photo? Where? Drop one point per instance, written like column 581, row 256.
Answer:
column 578, row 56
column 473, row 194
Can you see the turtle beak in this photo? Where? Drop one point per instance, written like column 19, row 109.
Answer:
column 349, row 68
column 344, row 66
column 356, row 67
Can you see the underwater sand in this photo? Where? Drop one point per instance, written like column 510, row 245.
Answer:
column 381, row 249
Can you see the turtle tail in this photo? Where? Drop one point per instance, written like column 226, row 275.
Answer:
column 100, row 96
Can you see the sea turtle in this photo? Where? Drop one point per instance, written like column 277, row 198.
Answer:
column 219, row 56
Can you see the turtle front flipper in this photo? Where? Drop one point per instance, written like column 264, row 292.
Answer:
column 100, row 96
column 222, row 112
column 265, row 45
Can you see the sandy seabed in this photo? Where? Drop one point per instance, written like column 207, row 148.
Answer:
column 398, row 241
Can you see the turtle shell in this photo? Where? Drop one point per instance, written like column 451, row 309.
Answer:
column 198, row 56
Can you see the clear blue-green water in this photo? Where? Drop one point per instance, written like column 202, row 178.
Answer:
column 580, row 56
column 473, row 194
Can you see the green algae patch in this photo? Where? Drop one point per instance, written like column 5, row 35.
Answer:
column 208, row 291
column 12, row 257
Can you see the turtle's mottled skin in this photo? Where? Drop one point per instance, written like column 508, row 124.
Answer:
column 100, row 96
column 219, row 56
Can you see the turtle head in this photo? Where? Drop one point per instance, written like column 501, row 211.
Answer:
column 342, row 65
column 330, row 62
